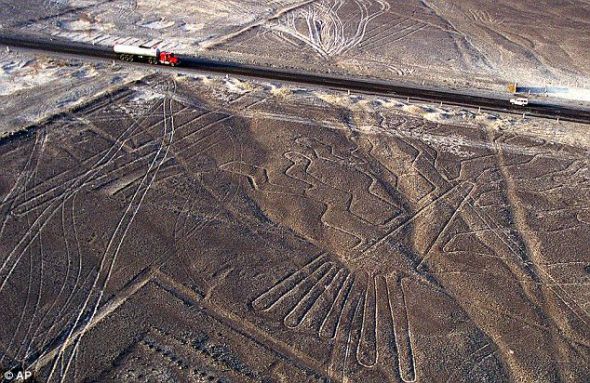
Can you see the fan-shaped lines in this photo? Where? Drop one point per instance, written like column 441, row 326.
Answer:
column 267, row 299
column 366, row 352
column 344, row 351
column 297, row 315
column 484, row 17
column 403, row 341
column 320, row 310
column 333, row 318
column 291, row 296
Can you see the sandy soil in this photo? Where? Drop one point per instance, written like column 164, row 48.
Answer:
column 159, row 228
column 208, row 229
column 461, row 44
column 34, row 88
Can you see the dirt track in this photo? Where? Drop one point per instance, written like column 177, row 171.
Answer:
column 193, row 230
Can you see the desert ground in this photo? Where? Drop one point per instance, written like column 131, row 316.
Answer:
column 463, row 44
column 36, row 88
column 238, row 231
column 184, row 227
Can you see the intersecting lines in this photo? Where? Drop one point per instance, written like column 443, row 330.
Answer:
column 121, row 159
column 561, row 188
column 109, row 257
column 326, row 26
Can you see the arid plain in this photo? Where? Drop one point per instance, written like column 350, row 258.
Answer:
column 465, row 44
column 200, row 220
column 162, row 227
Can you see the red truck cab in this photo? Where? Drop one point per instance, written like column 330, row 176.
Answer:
column 168, row 58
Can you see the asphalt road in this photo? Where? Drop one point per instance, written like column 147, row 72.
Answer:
column 500, row 103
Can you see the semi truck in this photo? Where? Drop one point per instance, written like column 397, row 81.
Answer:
column 145, row 54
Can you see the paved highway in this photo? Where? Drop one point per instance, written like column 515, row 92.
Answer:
column 499, row 103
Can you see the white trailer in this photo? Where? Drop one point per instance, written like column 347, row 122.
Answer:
column 136, row 51
column 133, row 53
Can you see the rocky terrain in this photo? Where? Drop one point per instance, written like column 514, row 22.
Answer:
column 166, row 226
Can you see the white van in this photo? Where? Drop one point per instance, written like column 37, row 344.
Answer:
column 521, row 101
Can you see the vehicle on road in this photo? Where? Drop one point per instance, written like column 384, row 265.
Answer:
column 151, row 55
column 520, row 101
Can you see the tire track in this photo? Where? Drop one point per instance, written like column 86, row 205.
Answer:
column 110, row 255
